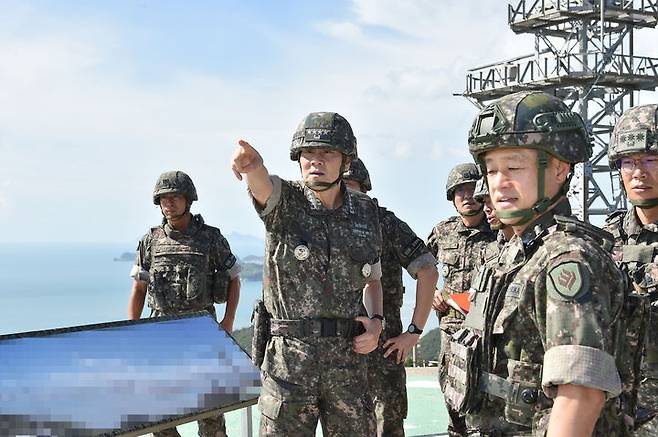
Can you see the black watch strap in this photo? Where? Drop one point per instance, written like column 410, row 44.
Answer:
column 413, row 329
column 377, row 316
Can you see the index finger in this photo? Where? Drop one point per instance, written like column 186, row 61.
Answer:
column 245, row 144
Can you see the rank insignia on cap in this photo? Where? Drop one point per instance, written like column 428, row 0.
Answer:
column 366, row 270
column 301, row 252
column 568, row 282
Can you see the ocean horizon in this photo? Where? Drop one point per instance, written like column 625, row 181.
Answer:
column 56, row 285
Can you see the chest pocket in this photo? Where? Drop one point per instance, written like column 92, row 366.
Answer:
column 448, row 253
column 180, row 280
column 363, row 256
column 640, row 254
column 510, row 308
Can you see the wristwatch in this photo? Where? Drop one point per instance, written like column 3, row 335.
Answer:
column 413, row 329
column 380, row 318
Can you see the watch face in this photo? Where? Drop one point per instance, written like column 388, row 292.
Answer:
column 412, row 329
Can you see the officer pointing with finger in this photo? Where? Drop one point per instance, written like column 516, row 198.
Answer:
column 322, row 266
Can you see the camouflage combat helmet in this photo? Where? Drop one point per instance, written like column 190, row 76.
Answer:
column 358, row 172
column 635, row 132
column 531, row 119
column 481, row 190
column 174, row 182
column 323, row 129
column 535, row 120
column 461, row 174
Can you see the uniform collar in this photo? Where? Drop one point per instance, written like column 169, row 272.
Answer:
column 633, row 227
column 346, row 209
column 538, row 228
column 463, row 229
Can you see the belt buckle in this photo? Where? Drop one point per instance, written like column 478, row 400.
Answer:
column 329, row 327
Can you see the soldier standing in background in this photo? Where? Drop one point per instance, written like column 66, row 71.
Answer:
column 401, row 248
column 537, row 351
column 633, row 150
column 505, row 232
column 182, row 266
column 322, row 266
column 456, row 243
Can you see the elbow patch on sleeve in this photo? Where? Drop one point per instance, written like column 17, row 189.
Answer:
column 580, row 365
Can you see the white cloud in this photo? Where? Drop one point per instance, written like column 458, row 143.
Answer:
column 82, row 122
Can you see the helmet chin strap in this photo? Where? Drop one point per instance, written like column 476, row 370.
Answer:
column 644, row 203
column 324, row 186
column 166, row 220
column 472, row 213
column 527, row 214
column 498, row 227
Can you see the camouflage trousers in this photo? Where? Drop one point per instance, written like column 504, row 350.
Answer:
column 648, row 398
column 311, row 379
column 210, row 427
column 387, row 381
column 288, row 409
column 450, row 325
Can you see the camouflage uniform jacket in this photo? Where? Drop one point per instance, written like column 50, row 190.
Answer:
column 491, row 251
column 636, row 252
column 401, row 248
column 457, row 248
column 183, row 268
column 549, row 319
column 317, row 262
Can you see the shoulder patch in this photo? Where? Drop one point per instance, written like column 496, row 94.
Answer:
column 568, row 282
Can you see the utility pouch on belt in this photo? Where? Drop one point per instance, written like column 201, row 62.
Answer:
column 260, row 321
column 220, row 281
column 462, row 392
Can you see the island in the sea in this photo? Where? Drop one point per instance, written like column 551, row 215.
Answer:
column 252, row 265
column 125, row 256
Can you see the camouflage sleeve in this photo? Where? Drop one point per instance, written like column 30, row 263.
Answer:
column 432, row 243
column 272, row 202
column 411, row 252
column 140, row 271
column 578, row 297
column 224, row 258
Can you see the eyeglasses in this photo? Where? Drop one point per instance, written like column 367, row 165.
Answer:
column 628, row 165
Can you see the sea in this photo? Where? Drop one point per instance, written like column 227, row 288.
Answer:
column 57, row 285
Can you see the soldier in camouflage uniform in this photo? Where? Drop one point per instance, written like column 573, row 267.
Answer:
column 633, row 151
column 536, row 354
column 402, row 248
column 322, row 266
column 456, row 243
column 505, row 232
column 184, row 265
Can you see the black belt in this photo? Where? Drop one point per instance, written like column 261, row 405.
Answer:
column 321, row 327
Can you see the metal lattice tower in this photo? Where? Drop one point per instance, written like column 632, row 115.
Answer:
column 583, row 54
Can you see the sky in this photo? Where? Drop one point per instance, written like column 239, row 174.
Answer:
column 98, row 98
